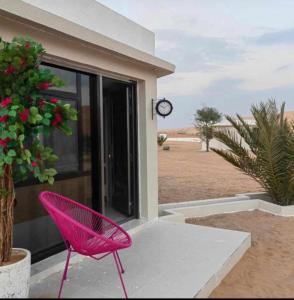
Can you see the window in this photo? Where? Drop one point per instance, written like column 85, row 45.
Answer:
column 68, row 77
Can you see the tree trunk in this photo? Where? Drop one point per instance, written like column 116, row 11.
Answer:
column 6, row 214
column 207, row 145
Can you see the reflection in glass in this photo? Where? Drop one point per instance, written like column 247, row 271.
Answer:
column 68, row 77
column 66, row 147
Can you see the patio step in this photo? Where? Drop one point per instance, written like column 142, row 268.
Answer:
column 167, row 260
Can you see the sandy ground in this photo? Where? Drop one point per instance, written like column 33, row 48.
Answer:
column 267, row 268
column 186, row 174
column 180, row 132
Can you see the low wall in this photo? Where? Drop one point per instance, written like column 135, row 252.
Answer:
column 179, row 212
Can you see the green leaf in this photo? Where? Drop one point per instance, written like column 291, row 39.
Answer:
column 34, row 110
column 39, row 118
column 46, row 122
column 48, row 115
column 8, row 160
column 28, row 153
column 12, row 128
column 21, row 138
column 11, row 153
column 12, row 113
column 51, row 180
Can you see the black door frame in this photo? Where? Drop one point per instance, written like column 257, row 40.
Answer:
column 133, row 132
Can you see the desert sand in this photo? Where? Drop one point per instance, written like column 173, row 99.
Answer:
column 180, row 132
column 267, row 268
column 186, row 174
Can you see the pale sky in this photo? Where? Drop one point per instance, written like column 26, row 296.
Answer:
column 228, row 53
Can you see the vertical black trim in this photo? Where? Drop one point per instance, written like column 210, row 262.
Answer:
column 80, row 122
column 101, row 156
column 135, row 163
column 95, row 142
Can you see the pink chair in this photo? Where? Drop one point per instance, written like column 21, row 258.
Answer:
column 85, row 231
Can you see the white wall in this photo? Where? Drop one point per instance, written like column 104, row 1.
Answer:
column 97, row 17
column 214, row 143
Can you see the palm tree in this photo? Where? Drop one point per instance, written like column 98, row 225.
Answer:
column 270, row 157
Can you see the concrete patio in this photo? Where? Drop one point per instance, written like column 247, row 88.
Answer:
column 167, row 260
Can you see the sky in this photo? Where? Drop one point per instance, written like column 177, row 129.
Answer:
column 229, row 54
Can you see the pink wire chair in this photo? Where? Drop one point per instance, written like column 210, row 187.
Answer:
column 85, row 231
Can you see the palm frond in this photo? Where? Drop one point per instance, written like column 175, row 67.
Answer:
column 269, row 155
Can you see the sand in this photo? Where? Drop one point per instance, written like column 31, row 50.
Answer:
column 186, row 174
column 180, row 132
column 267, row 268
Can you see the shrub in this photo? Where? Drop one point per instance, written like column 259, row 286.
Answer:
column 161, row 139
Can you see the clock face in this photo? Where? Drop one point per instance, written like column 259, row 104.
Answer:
column 164, row 108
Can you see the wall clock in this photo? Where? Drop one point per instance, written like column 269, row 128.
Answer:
column 164, row 107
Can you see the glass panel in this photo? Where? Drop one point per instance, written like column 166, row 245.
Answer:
column 69, row 78
column 85, row 116
column 34, row 229
column 66, row 147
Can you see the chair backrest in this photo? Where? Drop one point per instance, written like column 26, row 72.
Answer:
column 87, row 231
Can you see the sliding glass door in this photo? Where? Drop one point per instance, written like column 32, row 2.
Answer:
column 34, row 229
column 97, row 165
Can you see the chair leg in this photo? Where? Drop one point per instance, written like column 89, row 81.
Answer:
column 116, row 259
column 64, row 276
column 120, row 264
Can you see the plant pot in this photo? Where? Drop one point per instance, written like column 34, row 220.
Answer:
column 15, row 277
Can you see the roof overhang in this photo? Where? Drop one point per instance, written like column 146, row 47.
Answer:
column 35, row 16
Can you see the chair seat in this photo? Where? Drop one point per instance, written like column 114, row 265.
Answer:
column 93, row 246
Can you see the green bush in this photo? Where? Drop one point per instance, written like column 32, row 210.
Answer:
column 161, row 139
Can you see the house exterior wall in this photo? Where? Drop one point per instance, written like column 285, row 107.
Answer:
column 70, row 52
column 95, row 16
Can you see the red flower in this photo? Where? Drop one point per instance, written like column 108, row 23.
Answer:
column 57, row 120
column 24, row 115
column 34, row 164
column 3, row 142
column 5, row 102
column 3, row 119
column 10, row 69
column 54, row 100
column 44, row 85
column 27, row 45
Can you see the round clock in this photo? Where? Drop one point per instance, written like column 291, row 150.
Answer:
column 164, row 108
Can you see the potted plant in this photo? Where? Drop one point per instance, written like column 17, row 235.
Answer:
column 25, row 116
